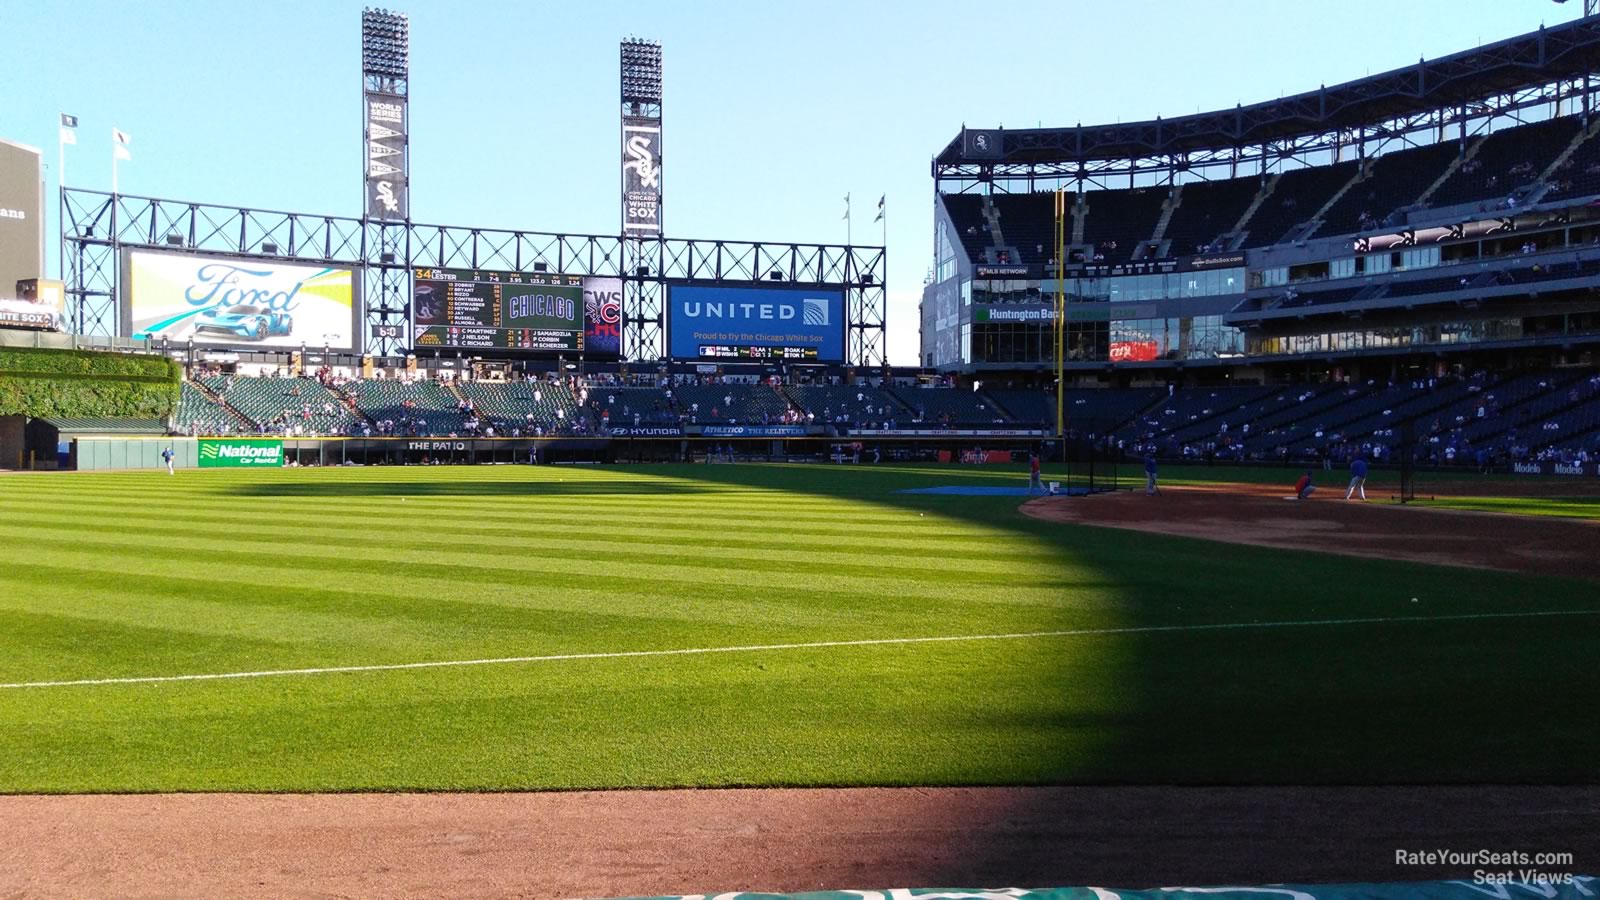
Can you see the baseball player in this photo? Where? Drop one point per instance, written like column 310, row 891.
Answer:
column 1358, row 478
column 166, row 457
column 1304, row 488
column 1150, row 488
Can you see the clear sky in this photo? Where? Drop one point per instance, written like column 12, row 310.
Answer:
column 773, row 111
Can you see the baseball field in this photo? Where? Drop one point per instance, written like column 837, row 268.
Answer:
column 487, row 628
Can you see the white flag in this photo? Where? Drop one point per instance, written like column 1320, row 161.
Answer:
column 120, row 142
column 68, row 136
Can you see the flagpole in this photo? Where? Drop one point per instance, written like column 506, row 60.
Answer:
column 61, row 195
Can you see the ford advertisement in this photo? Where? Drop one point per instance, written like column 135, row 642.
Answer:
column 755, row 324
column 240, row 302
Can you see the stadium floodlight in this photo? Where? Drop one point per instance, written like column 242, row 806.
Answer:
column 641, row 71
column 385, row 43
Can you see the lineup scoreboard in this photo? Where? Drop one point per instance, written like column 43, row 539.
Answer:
column 482, row 310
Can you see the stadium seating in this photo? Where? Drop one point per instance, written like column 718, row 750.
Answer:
column 421, row 407
column 523, row 405
column 1208, row 209
column 966, row 213
column 736, row 404
column 857, row 404
column 958, row 408
column 1196, row 413
column 1118, row 221
column 636, row 406
column 1295, row 198
column 198, row 413
column 1508, row 159
column 285, row 405
column 1397, row 179
column 1028, row 222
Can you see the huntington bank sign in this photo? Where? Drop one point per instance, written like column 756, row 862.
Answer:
column 240, row 454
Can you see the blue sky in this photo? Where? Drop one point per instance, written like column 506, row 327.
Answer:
column 772, row 110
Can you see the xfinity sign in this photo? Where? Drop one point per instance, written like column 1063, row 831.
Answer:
column 754, row 319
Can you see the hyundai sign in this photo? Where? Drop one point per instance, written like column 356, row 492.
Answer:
column 755, row 324
column 237, row 301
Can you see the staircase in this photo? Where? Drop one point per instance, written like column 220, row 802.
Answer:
column 992, row 216
column 1167, row 209
column 1239, row 232
column 1362, row 174
column 1449, row 170
column 239, row 418
column 1572, row 147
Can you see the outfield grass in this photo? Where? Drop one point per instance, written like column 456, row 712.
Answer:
column 136, row 574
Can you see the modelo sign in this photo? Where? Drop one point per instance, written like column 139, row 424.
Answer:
column 701, row 317
column 240, row 454
column 241, row 302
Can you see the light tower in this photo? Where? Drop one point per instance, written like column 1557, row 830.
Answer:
column 386, row 177
column 642, row 292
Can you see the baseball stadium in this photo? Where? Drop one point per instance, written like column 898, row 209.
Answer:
column 1235, row 523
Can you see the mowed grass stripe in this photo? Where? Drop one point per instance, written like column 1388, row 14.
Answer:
column 140, row 573
column 356, row 530
column 460, row 568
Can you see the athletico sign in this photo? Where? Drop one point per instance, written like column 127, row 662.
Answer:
column 240, row 454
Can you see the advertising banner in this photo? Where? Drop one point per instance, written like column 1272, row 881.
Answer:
column 236, row 454
column 641, row 176
column 759, row 431
column 388, row 189
column 755, row 323
column 21, row 217
column 602, row 316
column 1134, row 351
column 236, row 301
column 1013, row 313
column 653, row 431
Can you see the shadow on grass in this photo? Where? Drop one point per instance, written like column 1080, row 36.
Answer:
column 1320, row 704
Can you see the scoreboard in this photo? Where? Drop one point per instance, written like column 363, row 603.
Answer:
column 471, row 310
column 756, row 353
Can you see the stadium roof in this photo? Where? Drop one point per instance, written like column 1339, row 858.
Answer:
column 1540, row 57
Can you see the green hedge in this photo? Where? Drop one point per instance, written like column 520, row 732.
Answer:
column 85, row 384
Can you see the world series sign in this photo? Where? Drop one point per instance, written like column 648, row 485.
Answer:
column 388, row 191
column 641, row 176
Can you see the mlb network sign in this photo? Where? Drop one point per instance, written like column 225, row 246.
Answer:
column 240, row 454
column 756, row 317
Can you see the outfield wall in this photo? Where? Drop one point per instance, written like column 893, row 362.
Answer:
column 103, row 452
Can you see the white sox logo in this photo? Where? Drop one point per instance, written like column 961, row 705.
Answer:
column 642, row 162
column 387, row 198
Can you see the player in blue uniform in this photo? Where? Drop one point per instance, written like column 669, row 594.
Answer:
column 1358, row 478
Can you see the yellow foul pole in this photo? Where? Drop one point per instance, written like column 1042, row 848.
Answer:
column 1060, row 333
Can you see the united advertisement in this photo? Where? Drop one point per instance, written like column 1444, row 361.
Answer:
column 237, row 302
column 720, row 322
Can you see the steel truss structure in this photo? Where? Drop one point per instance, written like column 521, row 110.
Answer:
column 96, row 227
column 1452, row 98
